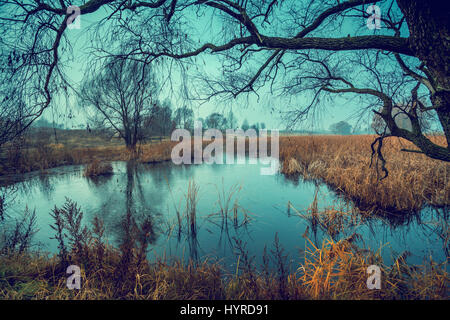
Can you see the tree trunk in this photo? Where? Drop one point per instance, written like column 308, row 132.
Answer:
column 130, row 140
column 430, row 41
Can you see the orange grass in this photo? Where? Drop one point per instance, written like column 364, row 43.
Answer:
column 334, row 270
column 343, row 162
column 329, row 270
column 338, row 270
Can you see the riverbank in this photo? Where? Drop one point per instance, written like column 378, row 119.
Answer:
column 56, row 155
column 324, row 269
column 342, row 162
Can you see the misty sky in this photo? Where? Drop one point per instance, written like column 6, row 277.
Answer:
column 251, row 108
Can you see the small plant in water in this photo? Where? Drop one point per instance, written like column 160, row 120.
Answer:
column 97, row 168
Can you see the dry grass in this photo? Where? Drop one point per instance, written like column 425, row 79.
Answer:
column 338, row 270
column 98, row 168
column 50, row 156
column 344, row 163
column 191, row 206
column 334, row 270
column 156, row 152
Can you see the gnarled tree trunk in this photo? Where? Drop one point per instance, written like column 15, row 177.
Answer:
column 430, row 41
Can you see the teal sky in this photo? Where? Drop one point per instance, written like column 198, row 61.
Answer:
column 252, row 108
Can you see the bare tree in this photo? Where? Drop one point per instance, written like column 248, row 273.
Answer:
column 11, row 119
column 122, row 95
column 34, row 46
column 160, row 121
column 216, row 121
column 184, row 118
column 303, row 41
column 259, row 41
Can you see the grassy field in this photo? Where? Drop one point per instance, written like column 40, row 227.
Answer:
column 343, row 162
column 43, row 151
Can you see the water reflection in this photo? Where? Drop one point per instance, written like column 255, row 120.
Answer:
column 148, row 204
column 125, row 208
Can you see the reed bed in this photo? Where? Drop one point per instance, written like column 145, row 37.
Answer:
column 343, row 162
column 338, row 270
column 333, row 220
column 334, row 270
column 97, row 168
column 228, row 208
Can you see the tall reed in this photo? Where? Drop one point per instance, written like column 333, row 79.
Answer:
column 191, row 206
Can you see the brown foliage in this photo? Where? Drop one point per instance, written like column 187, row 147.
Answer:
column 344, row 163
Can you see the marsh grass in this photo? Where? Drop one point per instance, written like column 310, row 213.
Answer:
column 191, row 206
column 334, row 270
column 334, row 219
column 97, row 168
column 225, row 200
column 338, row 270
column 343, row 162
column 186, row 216
column 20, row 157
column 228, row 208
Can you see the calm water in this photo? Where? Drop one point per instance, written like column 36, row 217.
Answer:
column 158, row 190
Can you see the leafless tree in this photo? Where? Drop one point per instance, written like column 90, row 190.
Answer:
column 302, row 43
column 159, row 122
column 122, row 95
column 34, row 47
column 184, row 118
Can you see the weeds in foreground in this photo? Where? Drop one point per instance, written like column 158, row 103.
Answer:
column 334, row 270
column 338, row 270
column 18, row 236
column 68, row 226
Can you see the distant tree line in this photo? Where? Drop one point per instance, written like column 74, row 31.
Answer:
column 341, row 127
column 256, row 126
column 121, row 97
column 44, row 123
